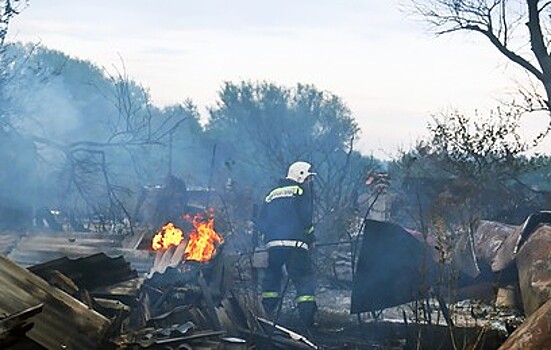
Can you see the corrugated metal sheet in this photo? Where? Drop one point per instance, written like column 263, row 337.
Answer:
column 89, row 272
column 14, row 327
column 7, row 242
column 128, row 288
column 64, row 323
column 37, row 249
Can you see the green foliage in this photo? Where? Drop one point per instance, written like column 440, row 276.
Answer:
column 99, row 138
column 479, row 146
column 471, row 168
column 261, row 128
column 269, row 126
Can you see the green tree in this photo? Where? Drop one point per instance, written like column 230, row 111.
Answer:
column 470, row 168
column 261, row 128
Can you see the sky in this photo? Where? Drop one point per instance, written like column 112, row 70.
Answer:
column 382, row 61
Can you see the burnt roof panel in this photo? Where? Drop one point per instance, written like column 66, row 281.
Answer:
column 90, row 272
column 38, row 249
column 7, row 242
column 64, row 323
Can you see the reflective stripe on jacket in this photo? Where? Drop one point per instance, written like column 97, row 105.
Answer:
column 286, row 243
column 286, row 213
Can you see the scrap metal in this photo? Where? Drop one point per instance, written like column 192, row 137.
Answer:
column 37, row 249
column 14, row 327
column 534, row 269
column 534, row 333
column 64, row 323
column 393, row 268
column 293, row 335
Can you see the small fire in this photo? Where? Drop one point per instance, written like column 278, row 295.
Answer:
column 202, row 239
column 201, row 242
column 169, row 235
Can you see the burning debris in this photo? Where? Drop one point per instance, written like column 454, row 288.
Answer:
column 195, row 293
column 202, row 239
column 199, row 245
column 169, row 235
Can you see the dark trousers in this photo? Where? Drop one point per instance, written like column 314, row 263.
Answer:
column 301, row 272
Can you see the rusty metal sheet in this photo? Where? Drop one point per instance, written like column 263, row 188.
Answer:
column 488, row 240
column 534, row 269
column 534, row 333
column 464, row 256
column 511, row 245
column 393, row 268
column 64, row 323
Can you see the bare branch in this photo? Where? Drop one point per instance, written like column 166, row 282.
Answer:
column 504, row 23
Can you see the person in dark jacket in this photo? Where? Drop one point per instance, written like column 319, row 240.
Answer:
column 285, row 221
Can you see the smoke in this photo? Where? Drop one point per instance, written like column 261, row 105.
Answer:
column 48, row 111
column 41, row 117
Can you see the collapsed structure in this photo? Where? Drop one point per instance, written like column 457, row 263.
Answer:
column 92, row 291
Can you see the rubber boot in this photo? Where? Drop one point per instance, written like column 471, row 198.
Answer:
column 306, row 311
column 270, row 306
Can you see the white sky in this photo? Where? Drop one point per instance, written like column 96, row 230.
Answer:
column 391, row 72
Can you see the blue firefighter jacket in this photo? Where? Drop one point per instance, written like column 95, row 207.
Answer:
column 286, row 214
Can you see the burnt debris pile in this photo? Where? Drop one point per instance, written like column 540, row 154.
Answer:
column 391, row 288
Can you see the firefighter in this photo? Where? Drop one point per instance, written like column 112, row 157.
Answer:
column 285, row 222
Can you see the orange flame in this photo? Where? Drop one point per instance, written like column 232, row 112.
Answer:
column 168, row 235
column 202, row 242
column 202, row 239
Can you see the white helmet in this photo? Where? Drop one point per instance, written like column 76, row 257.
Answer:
column 299, row 171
